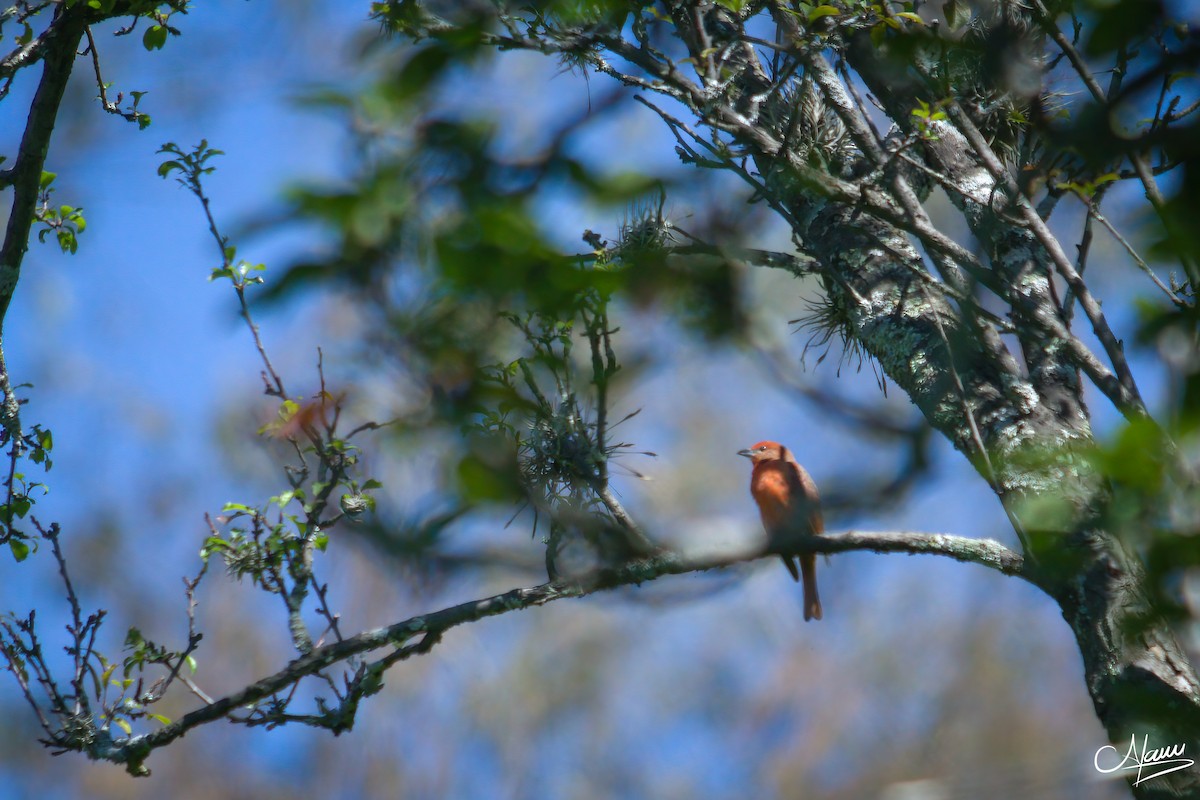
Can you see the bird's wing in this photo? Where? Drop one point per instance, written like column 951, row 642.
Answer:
column 803, row 488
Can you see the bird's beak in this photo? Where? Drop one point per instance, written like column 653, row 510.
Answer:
column 746, row 453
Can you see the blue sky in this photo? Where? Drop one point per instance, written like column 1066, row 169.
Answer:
column 140, row 364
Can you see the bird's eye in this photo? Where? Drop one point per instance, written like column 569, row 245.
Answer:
column 762, row 449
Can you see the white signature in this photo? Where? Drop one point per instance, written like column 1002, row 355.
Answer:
column 1160, row 761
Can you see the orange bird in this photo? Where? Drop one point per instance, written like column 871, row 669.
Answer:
column 788, row 503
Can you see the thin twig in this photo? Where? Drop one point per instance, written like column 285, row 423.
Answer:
column 1137, row 259
column 110, row 107
column 1138, row 160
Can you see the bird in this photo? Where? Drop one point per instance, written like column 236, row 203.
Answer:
column 789, row 506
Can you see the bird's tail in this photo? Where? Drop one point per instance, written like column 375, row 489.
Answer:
column 807, row 572
column 812, row 601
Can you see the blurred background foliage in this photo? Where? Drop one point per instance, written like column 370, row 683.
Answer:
column 404, row 198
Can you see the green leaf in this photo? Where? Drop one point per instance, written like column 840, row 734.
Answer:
column 486, row 482
column 47, row 179
column 155, row 37
column 191, row 662
column 878, row 33
column 160, row 718
column 20, row 550
column 823, row 11
column 123, row 725
column 421, row 70
column 67, row 241
column 371, row 484
column 21, row 505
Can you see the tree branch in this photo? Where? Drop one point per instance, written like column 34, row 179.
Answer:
column 25, row 175
column 132, row 751
column 26, row 55
column 1141, row 166
column 1091, row 307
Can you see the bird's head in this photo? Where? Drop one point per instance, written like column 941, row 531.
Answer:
column 763, row 451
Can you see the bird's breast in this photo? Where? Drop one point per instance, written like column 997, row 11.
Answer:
column 770, row 488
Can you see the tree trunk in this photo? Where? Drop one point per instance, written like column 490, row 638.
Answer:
column 1140, row 681
column 1022, row 425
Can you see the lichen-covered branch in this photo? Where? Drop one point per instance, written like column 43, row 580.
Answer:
column 417, row 635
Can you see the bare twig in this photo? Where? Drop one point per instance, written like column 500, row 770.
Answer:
column 1178, row 301
column 105, row 103
column 275, row 387
column 1141, row 166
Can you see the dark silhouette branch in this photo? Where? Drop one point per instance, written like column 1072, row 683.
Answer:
column 62, row 40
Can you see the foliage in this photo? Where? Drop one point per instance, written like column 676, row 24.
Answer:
column 509, row 339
